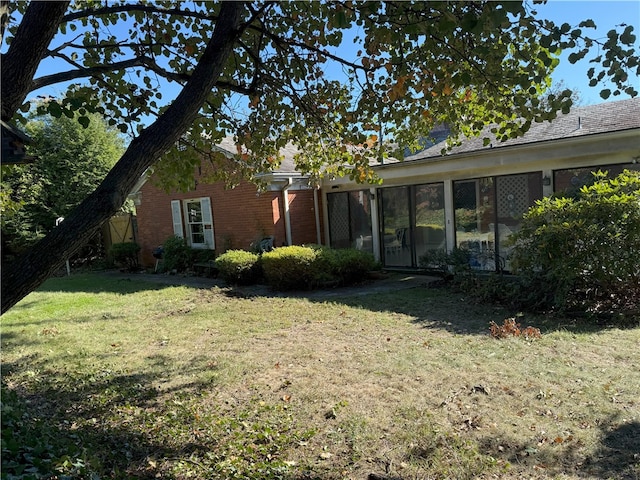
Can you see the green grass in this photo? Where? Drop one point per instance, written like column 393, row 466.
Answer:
column 111, row 378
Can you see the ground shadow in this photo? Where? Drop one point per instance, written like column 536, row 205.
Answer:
column 619, row 452
column 617, row 456
column 426, row 299
column 437, row 306
column 107, row 282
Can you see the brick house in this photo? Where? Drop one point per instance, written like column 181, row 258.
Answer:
column 471, row 197
column 211, row 216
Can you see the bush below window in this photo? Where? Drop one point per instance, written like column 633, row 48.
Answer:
column 179, row 257
column 581, row 253
column 239, row 267
column 575, row 255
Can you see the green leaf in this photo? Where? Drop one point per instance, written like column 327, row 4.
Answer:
column 587, row 24
column 606, row 93
column 84, row 121
column 627, row 37
column 54, row 109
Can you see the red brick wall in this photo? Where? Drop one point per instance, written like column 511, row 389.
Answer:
column 240, row 216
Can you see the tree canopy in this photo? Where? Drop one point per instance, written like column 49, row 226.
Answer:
column 72, row 160
column 270, row 73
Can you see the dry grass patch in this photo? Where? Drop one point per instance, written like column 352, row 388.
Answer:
column 139, row 381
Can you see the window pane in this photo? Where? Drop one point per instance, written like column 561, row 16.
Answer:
column 474, row 216
column 429, row 233
column 360, row 220
column 194, row 212
column 396, row 226
column 515, row 194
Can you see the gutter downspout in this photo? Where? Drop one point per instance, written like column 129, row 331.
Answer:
column 317, row 215
column 287, row 215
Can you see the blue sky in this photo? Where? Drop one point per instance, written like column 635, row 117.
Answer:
column 606, row 14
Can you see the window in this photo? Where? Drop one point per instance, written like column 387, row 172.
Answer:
column 196, row 216
column 568, row 182
column 412, row 223
column 488, row 210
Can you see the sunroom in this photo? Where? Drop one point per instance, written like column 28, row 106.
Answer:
column 473, row 198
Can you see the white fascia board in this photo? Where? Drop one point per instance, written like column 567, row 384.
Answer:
column 584, row 151
column 277, row 181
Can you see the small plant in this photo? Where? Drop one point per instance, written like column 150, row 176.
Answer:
column 510, row 328
column 239, row 267
column 126, row 255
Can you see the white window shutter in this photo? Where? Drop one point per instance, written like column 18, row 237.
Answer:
column 207, row 222
column 176, row 216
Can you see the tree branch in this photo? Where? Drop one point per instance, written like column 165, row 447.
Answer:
column 149, row 8
column 19, row 64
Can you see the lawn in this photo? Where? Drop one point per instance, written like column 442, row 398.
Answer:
column 115, row 378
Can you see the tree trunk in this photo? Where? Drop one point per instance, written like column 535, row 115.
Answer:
column 35, row 32
column 30, row 270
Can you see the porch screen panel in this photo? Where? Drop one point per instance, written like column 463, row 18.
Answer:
column 474, row 218
column 515, row 195
column 350, row 220
column 569, row 181
column 338, row 206
column 396, row 226
column 360, row 220
column 429, row 230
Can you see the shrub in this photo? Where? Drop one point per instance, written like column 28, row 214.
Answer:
column 177, row 255
column 582, row 253
column 126, row 255
column 348, row 266
column 291, row 268
column 200, row 255
column 455, row 262
column 311, row 266
column 239, row 267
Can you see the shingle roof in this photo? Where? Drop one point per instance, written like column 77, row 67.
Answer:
column 286, row 166
column 581, row 121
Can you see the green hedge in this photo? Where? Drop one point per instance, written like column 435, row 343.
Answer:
column 346, row 266
column 291, row 268
column 239, row 267
column 307, row 267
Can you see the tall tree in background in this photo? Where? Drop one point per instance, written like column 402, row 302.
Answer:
column 271, row 73
column 72, row 160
